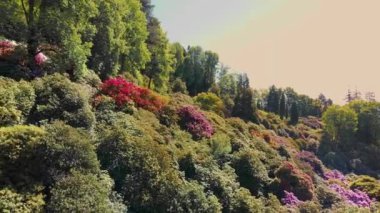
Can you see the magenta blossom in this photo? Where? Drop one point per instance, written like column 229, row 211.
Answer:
column 352, row 197
column 290, row 199
column 40, row 58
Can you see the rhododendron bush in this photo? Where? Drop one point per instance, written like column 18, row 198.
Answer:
column 124, row 92
column 195, row 122
column 352, row 197
column 290, row 199
column 292, row 179
column 6, row 48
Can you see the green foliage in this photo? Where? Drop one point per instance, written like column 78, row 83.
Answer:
column 327, row 197
column 158, row 69
column 59, row 28
column 84, row 193
column 210, row 101
column 16, row 147
column 244, row 107
column 16, row 101
column 244, row 202
column 340, row 122
column 11, row 201
column 57, row 98
column 251, row 172
column 141, row 169
column 198, row 70
column 179, row 86
column 220, row 144
column 294, row 114
column 119, row 43
column 367, row 184
column 63, row 149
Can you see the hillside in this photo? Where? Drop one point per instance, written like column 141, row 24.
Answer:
column 99, row 112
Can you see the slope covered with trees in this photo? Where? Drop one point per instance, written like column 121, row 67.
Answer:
column 99, row 112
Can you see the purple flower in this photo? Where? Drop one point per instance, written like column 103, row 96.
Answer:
column 290, row 199
column 195, row 122
column 335, row 175
column 352, row 197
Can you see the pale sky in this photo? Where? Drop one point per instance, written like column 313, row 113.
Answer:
column 314, row 46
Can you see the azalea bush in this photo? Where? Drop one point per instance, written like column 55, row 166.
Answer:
column 6, row 48
column 195, row 122
column 290, row 199
column 124, row 92
column 312, row 160
column 353, row 197
column 292, row 179
column 334, row 175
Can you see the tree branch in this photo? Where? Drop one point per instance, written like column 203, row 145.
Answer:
column 25, row 12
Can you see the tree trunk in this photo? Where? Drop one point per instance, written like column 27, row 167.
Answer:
column 32, row 42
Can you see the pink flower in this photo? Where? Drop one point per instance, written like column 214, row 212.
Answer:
column 40, row 58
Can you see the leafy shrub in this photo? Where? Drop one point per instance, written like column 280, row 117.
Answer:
column 327, row 197
column 16, row 101
column 367, row 184
column 220, row 144
column 243, row 201
column 142, row 170
column 11, row 201
column 210, row 102
column 309, row 207
column 251, row 172
column 16, row 150
column 61, row 150
column 294, row 180
column 60, row 99
column 179, row 86
column 124, row 92
column 312, row 160
column 82, row 193
column 9, row 116
column 195, row 122
column 168, row 115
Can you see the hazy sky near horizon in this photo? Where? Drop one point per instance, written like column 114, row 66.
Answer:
column 314, row 46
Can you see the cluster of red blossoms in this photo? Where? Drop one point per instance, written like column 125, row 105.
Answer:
column 6, row 47
column 124, row 92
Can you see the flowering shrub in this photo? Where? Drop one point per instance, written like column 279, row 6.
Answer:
column 352, row 197
column 312, row 160
column 6, row 48
column 334, row 175
column 124, row 92
column 40, row 58
column 290, row 199
column 195, row 122
column 292, row 179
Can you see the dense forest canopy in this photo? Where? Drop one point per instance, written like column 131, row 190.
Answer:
column 101, row 112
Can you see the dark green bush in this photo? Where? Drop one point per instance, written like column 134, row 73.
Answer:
column 57, row 98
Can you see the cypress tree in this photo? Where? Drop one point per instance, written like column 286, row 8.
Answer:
column 294, row 114
column 283, row 106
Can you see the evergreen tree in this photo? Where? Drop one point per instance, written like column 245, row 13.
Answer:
column 283, row 107
column 244, row 107
column 160, row 66
column 273, row 100
column 294, row 114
